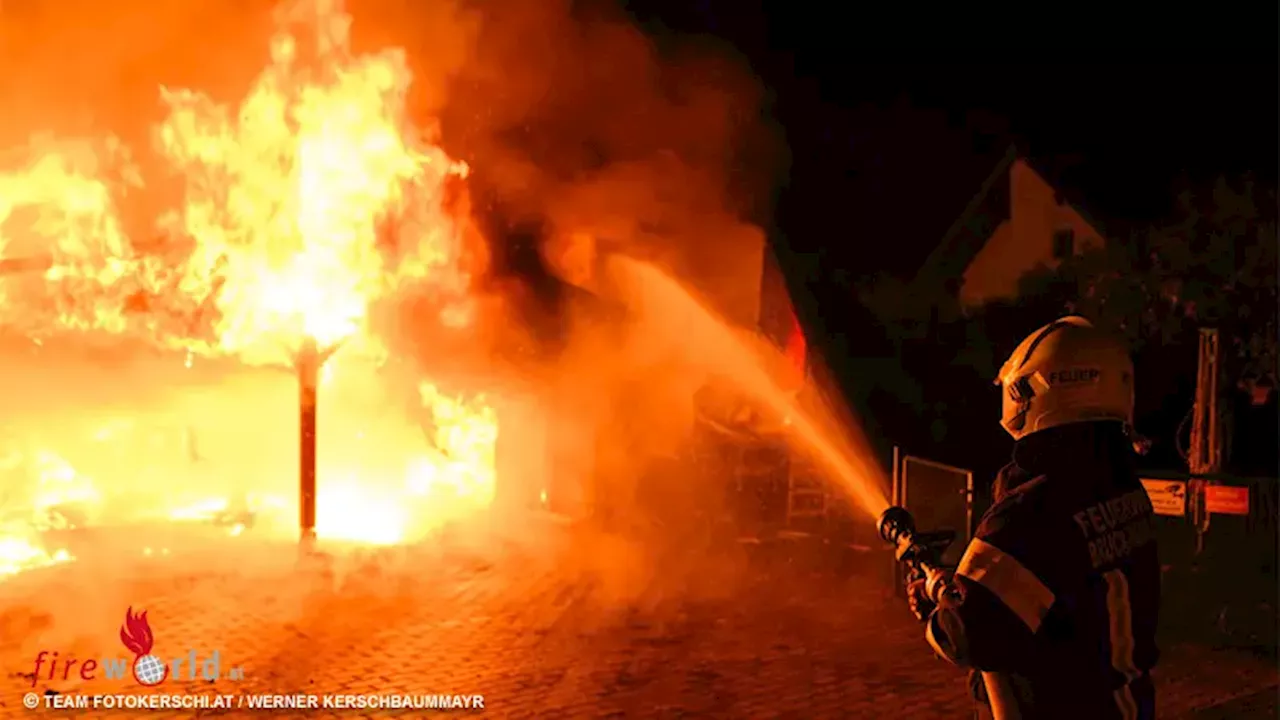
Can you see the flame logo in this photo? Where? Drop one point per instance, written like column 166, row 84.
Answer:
column 136, row 633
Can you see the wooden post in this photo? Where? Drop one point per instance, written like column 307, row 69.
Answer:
column 308, row 365
column 308, row 362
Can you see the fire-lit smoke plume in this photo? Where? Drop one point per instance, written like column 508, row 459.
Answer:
column 580, row 120
column 587, row 138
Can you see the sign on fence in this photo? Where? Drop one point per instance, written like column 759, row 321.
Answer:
column 1168, row 497
column 1227, row 500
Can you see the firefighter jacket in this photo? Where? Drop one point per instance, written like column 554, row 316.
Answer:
column 1056, row 597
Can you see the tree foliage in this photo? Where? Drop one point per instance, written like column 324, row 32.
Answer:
column 1215, row 265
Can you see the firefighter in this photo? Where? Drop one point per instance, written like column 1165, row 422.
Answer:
column 1053, row 605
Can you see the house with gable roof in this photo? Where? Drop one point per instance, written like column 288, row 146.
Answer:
column 1015, row 223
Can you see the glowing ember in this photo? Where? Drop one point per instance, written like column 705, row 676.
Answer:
column 303, row 205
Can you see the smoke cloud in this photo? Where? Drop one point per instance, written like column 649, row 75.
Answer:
column 588, row 138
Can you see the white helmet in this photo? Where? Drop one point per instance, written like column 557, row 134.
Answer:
column 1066, row 372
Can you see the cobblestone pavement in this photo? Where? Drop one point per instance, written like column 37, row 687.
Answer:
column 545, row 633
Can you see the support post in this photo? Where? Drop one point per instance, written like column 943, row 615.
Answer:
column 308, row 366
column 1205, row 457
column 896, row 499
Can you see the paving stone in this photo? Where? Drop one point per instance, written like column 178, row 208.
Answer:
column 539, row 635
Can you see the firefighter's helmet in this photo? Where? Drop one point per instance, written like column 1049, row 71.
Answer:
column 1066, row 372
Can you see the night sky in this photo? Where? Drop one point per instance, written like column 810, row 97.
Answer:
column 894, row 114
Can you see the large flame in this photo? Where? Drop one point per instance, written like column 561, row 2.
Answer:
column 287, row 192
column 302, row 206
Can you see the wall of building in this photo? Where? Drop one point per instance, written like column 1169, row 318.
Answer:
column 1025, row 241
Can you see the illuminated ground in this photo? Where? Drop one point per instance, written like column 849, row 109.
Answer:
column 539, row 635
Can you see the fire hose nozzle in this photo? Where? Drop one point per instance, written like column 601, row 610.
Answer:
column 915, row 549
column 896, row 524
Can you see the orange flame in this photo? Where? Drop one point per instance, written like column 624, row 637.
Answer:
column 286, row 193
column 303, row 205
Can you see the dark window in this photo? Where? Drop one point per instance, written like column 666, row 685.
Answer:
column 1064, row 244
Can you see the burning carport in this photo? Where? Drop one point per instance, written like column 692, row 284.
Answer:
column 162, row 314
column 313, row 216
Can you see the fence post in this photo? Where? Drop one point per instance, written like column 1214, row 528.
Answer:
column 968, row 520
column 896, row 492
column 1205, row 455
column 895, row 498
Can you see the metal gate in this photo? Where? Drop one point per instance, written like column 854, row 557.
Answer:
column 939, row 496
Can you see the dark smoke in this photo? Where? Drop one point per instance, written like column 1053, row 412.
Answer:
column 576, row 122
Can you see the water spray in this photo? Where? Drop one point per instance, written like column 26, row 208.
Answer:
column 711, row 341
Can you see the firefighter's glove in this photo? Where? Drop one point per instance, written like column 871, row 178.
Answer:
column 923, row 593
column 921, row 606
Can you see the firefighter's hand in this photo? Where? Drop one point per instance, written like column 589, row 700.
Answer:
column 918, row 599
